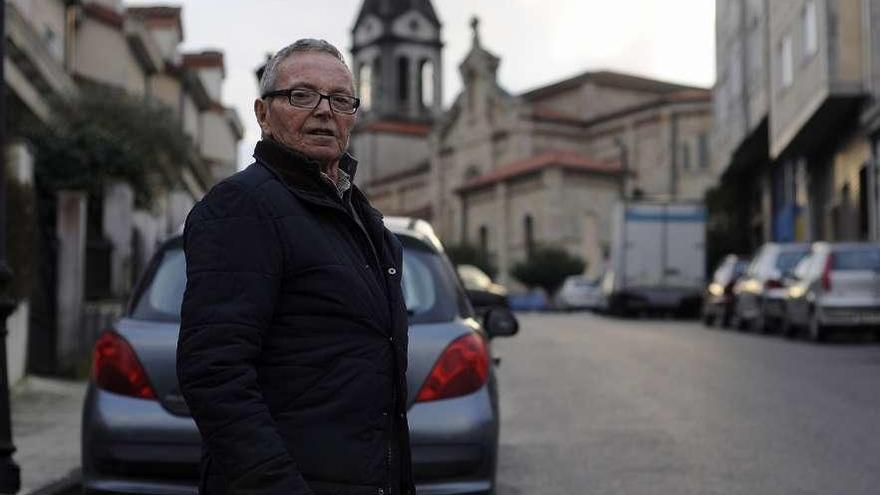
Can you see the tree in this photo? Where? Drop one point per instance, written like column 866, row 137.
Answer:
column 547, row 268
column 466, row 254
column 102, row 135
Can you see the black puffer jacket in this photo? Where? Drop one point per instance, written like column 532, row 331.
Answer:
column 292, row 350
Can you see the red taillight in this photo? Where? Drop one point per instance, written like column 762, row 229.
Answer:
column 462, row 369
column 826, row 273
column 773, row 284
column 116, row 368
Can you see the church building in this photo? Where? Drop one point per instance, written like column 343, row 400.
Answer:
column 507, row 172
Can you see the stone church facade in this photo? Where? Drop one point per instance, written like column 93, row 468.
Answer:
column 507, row 172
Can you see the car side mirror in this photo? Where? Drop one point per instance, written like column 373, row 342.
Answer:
column 500, row 322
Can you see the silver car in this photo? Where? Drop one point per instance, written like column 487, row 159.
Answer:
column 837, row 286
column 579, row 292
column 138, row 437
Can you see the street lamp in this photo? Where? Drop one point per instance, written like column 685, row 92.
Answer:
column 10, row 479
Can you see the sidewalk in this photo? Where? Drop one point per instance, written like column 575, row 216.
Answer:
column 46, row 415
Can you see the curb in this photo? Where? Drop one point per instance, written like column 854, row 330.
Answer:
column 67, row 485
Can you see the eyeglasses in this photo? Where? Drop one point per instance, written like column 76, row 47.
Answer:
column 308, row 98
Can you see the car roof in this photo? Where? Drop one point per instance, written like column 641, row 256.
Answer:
column 415, row 228
column 846, row 245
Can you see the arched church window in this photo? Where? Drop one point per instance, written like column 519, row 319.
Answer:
column 365, row 89
column 426, row 83
column 403, row 79
column 376, row 76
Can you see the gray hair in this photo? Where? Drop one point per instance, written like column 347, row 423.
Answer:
column 270, row 72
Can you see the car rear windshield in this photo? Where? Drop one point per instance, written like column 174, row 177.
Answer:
column 429, row 287
column 856, row 259
column 787, row 260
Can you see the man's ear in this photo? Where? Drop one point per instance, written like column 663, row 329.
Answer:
column 261, row 111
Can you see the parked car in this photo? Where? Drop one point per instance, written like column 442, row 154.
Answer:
column 837, row 286
column 759, row 295
column 579, row 292
column 718, row 297
column 138, row 436
column 483, row 293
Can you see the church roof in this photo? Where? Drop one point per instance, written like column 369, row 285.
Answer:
column 562, row 159
column 391, row 9
column 397, row 127
column 609, row 79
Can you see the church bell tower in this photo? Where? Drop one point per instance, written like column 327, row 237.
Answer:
column 396, row 54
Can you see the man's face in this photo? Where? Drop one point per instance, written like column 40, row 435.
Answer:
column 320, row 133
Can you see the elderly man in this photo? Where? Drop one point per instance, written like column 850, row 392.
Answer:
column 292, row 349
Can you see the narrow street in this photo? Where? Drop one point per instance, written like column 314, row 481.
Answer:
column 594, row 405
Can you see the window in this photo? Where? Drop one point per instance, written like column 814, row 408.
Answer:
column 484, row 238
column 162, row 295
column 703, row 150
column 403, row 79
column 811, row 40
column 529, row 234
column 786, row 57
column 685, row 156
column 418, row 285
column 426, row 84
column 365, row 92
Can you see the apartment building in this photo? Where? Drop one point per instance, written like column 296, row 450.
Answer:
column 56, row 49
column 796, row 116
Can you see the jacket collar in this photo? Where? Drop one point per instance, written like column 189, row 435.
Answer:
column 298, row 170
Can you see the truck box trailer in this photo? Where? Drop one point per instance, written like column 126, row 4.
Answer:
column 657, row 259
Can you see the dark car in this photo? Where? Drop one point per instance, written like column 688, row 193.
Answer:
column 760, row 293
column 483, row 293
column 718, row 296
column 137, row 434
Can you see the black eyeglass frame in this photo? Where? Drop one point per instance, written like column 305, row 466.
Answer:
column 321, row 96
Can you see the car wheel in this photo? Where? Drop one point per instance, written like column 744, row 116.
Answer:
column 708, row 318
column 759, row 324
column 786, row 328
column 736, row 320
column 725, row 319
column 816, row 332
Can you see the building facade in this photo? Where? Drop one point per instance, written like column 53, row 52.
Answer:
column 547, row 166
column 507, row 172
column 91, row 246
column 800, row 133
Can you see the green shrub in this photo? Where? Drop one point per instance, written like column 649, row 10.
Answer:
column 547, row 268
column 103, row 135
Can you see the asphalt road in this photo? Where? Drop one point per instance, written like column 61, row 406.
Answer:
column 595, row 405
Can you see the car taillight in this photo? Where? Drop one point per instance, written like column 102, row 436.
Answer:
column 773, row 284
column 462, row 369
column 116, row 368
column 826, row 273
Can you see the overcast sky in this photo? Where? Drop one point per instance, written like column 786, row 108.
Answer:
column 539, row 41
